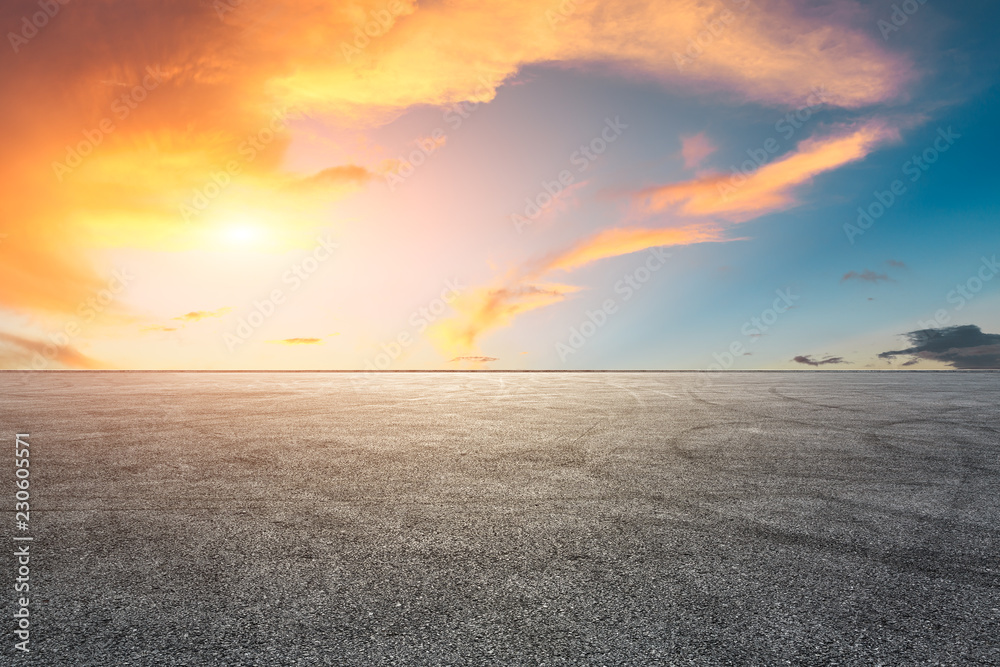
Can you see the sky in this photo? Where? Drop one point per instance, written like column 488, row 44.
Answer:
column 479, row 184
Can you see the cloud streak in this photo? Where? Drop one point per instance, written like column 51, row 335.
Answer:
column 198, row 315
column 700, row 211
column 867, row 276
column 695, row 148
column 719, row 196
column 809, row 361
column 482, row 310
column 27, row 352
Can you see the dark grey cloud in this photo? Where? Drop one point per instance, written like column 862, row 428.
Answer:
column 964, row 347
column 809, row 361
column 896, row 264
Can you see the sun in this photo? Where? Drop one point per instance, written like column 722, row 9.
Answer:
column 241, row 232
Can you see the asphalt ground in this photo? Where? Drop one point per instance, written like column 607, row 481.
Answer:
column 506, row 518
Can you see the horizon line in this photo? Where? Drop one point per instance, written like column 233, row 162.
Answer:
column 491, row 370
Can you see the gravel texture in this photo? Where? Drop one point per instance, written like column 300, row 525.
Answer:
column 508, row 518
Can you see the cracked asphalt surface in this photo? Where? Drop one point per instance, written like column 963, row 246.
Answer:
column 508, row 518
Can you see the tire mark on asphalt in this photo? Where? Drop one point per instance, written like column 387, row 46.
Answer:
column 961, row 569
column 795, row 399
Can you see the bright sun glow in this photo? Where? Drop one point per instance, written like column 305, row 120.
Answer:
column 243, row 232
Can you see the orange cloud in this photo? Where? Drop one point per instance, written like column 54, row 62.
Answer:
column 770, row 51
column 623, row 241
column 298, row 341
column 695, row 148
column 701, row 208
column 474, row 359
column 486, row 309
column 37, row 274
column 481, row 311
column 127, row 122
column 173, row 94
column 337, row 176
column 198, row 315
column 38, row 354
column 124, row 117
column 737, row 198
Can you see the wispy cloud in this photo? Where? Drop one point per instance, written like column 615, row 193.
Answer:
column 720, row 196
column 809, row 361
column 867, row 276
column 623, row 241
column 27, row 350
column 486, row 309
column 297, row 341
column 695, row 148
column 198, row 315
column 701, row 210
column 335, row 177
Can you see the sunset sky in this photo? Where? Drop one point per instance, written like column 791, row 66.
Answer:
column 499, row 184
